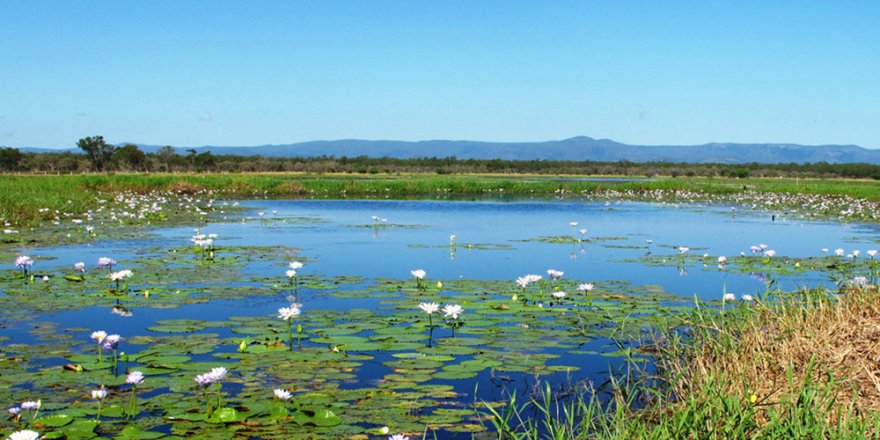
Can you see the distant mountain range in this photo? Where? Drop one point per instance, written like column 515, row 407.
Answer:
column 577, row 149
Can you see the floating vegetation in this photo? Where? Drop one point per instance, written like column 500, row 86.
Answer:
column 221, row 338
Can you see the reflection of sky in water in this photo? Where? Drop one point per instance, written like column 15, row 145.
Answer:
column 331, row 233
column 341, row 248
column 336, row 238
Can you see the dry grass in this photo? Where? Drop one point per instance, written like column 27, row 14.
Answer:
column 771, row 352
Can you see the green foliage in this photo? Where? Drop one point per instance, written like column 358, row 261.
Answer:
column 98, row 151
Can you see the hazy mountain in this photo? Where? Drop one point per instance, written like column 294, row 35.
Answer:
column 577, row 148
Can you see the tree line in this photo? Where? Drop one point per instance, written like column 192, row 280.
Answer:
column 99, row 156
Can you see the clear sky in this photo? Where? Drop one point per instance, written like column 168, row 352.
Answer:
column 192, row 73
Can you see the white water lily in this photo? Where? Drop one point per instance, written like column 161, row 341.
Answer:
column 586, row 287
column 418, row 273
column 27, row 434
column 120, row 275
column 287, row 313
column 282, row 394
column 728, row 297
column 747, row 297
column 429, row 308
column 558, row 294
column 452, row 311
column 295, row 265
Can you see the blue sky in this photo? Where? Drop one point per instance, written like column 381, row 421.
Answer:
column 191, row 73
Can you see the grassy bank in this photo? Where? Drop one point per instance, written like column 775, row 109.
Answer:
column 22, row 197
column 801, row 366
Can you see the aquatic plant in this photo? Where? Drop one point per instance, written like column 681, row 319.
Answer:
column 99, row 395
column 24, row 263
column 117, row 277
column 287, row 314
column 216, row 375
column 419, row 275
column 134, row 379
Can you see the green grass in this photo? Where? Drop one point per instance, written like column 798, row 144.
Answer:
column 790, row 368
column 21, row 197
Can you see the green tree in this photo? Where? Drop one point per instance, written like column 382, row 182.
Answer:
column 10, row 158
column 165, row 155
column 99, row 152
column 129, row 158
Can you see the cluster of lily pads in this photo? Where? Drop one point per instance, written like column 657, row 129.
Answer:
column 345, row 374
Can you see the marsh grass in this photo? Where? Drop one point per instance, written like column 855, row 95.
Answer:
column 800, row 365
column 22, row 196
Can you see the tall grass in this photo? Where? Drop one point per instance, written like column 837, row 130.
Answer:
column 799, row 366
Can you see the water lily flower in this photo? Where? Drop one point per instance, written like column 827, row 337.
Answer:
column 586, row 287
column 25, row 434
column 418, row 273
column 295, row 265
column 99, row 336
column 286, row 313
column 398, row 437
column 722, row 259
column 770, row 253
column 755, row 249
column 81, row 266
column 31, row 405
column 282, row 394
column 452, row 311
column 728, row 297
column 683, row 249
column 558, row 294
column 429, row 308
column 872, row 253
column 24, row 262
column 555, row 274
column 14, row 410
column 856, row 253
column 111, row 342
column 134, row 378
column 859, row 282
column 839, row 252
column 99, row 394
column 290, row 273
column 747, row 297
column 120, row 275
column 384, row 430
column 106, row 261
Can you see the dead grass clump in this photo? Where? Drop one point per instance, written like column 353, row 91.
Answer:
column 770, row 353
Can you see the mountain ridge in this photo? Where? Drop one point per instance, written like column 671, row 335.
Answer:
column 578, row 148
